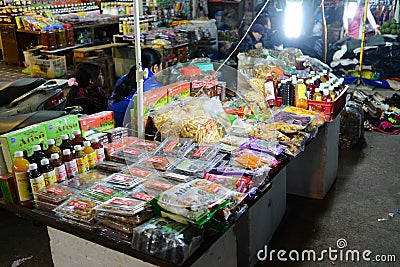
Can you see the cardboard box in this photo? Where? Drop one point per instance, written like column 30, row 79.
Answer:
column 63, row 125
column 7, row 186
column 96, row 123
column 178, row 90
column 23, row 139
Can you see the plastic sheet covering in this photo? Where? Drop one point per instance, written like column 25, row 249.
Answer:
column 351, row 125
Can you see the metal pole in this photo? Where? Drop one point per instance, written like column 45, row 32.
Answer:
column 325, row 31
column 362, row 41
column 139, row 73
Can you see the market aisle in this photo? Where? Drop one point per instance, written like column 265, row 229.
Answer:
column 367, row 188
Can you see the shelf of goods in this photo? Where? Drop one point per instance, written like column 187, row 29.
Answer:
column 215, row 179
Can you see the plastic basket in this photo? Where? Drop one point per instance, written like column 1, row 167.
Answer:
column 52, row 67
column 330, row 109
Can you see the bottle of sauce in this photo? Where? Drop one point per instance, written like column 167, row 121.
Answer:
column 326, row 96
column 317, row 80
column 52, row 148
column 78, row 139
column 70, row 164
column 288, row 94
column 280, row 88
column 48, row 172
column 269, row 91
column 20, row 170
column 91, row 154
column 332, row 92
column 59, row 168
column 36, row 179
column 310, row 89
column 324, row 77
column 38, row 155
column 317, row 95
column 66, row 143
column 301, row 95
column 99, row 149
column 81, row 159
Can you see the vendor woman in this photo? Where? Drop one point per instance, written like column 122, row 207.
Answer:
column 125, row 87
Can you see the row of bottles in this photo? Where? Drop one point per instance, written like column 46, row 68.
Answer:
column 57, row 36
column 298, row 91
column 54, row 165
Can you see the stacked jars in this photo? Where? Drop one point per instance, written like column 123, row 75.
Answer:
column 48, row 36
column 69, row 33
column 60, row 36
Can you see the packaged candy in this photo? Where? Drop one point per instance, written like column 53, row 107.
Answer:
column 178, row 177
column 123, row 181
column 253, row 160
column 122, row 206
column 239, row 184
column 174, row 147
column 77, row 208
column 145, row 145
column 132, row 220
column 191, row 167
column 103, row 192
column 111, row 166
column 77, row 183
column 138, row 171
column 166, row 239
column 291, row 118
column 160, row 163
column 273, row 148
column 148, row 190
column 54, row 194
column 202, row 152
column 128, row 155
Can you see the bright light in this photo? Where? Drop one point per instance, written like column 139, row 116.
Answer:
column 293, row 18
column 352, row 9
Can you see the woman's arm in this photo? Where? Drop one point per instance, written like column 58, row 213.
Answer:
column 345, row 19
column 371, row 21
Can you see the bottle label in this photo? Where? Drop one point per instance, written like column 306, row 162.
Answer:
column 83, row 164
column 92, row 159
column 100, row 154
column 61, row 173
column 22, row 186
column 302, row 91
column 71, row 168
column 139, row 172
column 37, row 185
column 318, row 98
column 50, row 178
column 269, row 91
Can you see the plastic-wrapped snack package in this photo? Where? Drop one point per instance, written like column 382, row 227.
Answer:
column 145, row 145
column 128, row 155
column 270, row 135
column 283, row 127
column 103, row 192
column 273, row 148
column 196, row 201
column 166, row 239
column 122, row 206
column 45, row 206
column 133, row 220
column 191, row 167
column 253, row 159
column 148, row 190
column 351, row 125
column 318, row 118
column 92, row 176
column 158, row 162
column 177, row 177
column 77, row 208
column 77, row 183
column 139, row 171
column 174, row 147
column 233, row 140
column 111, row 166
column 239, row 184
column 202, row 152
column 114, row 234
column 54, row 194
column 123, row 181
column 291, row 118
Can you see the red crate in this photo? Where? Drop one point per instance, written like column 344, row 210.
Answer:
column 330, row 109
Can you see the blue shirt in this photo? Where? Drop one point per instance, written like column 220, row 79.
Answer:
column 119, row 108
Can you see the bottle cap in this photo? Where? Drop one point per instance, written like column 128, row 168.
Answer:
column 78, row 147
column 86, row 143
column 312, row 72
column 36, row 148
column 75, row 132
column 66, row 152
column 326, row 92
column 55, row 156
column 301, row 81
column 44, row 161
column 51, row 142
column 18, row 154
column 64, row 137
column 95, row 140
column 331, row 88
column 32, row 166
column 325, row 72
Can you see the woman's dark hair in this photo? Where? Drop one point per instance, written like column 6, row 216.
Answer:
column 150, row 57
column 127, row 87
column 86, row 72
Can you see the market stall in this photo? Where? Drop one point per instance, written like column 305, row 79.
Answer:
column 214, row 169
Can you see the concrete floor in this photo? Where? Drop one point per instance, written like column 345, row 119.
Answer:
column 367, row 188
